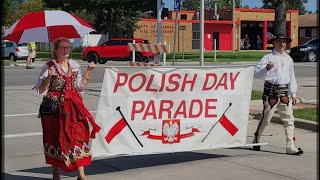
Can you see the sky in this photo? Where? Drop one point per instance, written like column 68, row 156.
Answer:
column 310, row 6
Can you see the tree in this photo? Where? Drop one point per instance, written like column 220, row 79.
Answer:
column 280, row 17
column 10, row 7
column 281, row 7
column 16, row 9
column 190, row 5
column 291, row 4
column 113, row 16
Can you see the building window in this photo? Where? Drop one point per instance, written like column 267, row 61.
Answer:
column 196, row 44
column 196, row 40
column 183, row 17
column 195, row 35
column 308, row 32
column 314, row 32
column 302, row 32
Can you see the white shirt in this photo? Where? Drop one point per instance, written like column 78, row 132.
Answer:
column 282, row 72
column 44, row 73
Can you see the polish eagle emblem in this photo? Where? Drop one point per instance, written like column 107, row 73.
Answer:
column 171, row 131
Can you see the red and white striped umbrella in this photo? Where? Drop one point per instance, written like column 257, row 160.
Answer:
column 45, row 26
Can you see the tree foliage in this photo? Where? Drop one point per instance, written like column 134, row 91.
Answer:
column 16, row 9
column 114, row 16
column 290, row 4
column 281, row 7
column 9, row 8
column 120, row 16
column 209, row 4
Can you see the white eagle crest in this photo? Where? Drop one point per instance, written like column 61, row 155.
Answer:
column 170, row 131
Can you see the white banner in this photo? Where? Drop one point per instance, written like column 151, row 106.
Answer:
column 159, row 110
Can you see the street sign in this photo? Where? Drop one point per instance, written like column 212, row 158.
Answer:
column 177, row 5
column 182, row 27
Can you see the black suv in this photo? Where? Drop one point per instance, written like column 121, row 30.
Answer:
column 306, row 52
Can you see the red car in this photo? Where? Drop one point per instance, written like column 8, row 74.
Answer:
column 115, row 49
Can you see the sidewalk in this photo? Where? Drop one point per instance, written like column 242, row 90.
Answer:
column 256, row 107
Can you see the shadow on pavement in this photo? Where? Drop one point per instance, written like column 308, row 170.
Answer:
column 13, row 177
column 251, row 149
column 123, row 163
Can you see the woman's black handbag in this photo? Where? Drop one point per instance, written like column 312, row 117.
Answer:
column 48, row 107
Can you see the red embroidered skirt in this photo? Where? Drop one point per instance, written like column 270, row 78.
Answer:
column 66, row 138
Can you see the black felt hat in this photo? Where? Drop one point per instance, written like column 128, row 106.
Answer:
column 280, row 36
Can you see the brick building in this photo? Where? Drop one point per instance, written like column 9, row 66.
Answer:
column 247, row 21
column 308, row 27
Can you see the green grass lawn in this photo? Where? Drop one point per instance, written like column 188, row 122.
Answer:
column 221, row 56
column 8, row 63
column 193, row 56
column 256, row 95
column 307, row 113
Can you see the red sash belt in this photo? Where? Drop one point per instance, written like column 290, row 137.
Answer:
column 78, row 100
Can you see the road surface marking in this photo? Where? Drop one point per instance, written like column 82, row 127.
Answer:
column 22, row 135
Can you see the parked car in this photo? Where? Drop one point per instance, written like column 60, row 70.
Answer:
column 13, row 51
column 308, row 51
column 115, row 49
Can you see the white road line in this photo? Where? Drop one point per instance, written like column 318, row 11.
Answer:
column 307, row 65
column 22, row 135
column 30, row 114
column 17, row 115
column 25, row 134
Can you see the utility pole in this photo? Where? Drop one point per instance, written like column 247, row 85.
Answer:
column 234, row 25
column 201, row 32
column 159, row 9
column 177, row 4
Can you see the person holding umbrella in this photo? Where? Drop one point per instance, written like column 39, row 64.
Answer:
column 66, row 134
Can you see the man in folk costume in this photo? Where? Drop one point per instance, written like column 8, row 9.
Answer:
column 280, row 87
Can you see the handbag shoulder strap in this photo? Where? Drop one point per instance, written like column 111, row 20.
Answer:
column 50, row 63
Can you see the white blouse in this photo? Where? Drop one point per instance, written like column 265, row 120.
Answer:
column 44, row 73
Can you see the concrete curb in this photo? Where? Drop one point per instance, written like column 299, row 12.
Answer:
column 299, row 123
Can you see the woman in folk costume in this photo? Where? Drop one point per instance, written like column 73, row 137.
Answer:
column 66, row 134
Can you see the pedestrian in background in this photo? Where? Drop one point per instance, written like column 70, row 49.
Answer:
column 280, row 88
column 66, row 135
column 32, row 54
column 246, row 42
column 259, row 42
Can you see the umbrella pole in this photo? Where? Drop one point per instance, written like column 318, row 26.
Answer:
column 49, row 42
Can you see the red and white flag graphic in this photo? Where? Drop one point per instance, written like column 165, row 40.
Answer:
column 115, row 129
column 228, row 125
